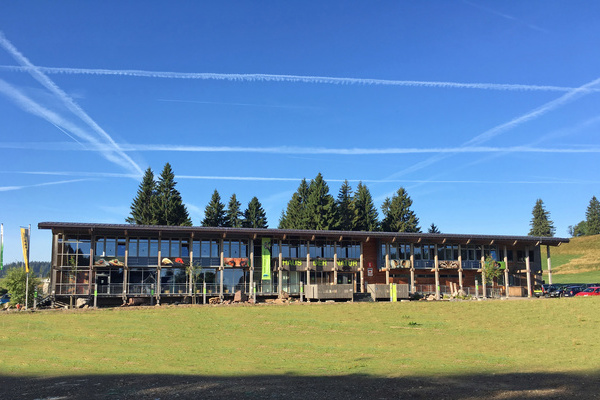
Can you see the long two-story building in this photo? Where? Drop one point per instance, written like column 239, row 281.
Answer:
column 117, row 262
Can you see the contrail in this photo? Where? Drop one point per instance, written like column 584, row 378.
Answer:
column 298, row 179
column 300, row 150
column 499, row 129
column 289, row 78
column 10, row 188
column 38, row 75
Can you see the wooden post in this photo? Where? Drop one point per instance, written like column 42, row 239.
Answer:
column 221, row 268
column 362, row 268
column 387, row 263
column 436, row 265
column 412, row 268
column 528, row 271
column 506, row 271
column 549, row 265
column 483, row 283
column 460, row 268
column 308, row 262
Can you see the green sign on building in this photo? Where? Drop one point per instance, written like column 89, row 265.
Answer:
column 266, row 259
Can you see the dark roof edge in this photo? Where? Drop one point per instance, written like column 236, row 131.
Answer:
column 550, row 241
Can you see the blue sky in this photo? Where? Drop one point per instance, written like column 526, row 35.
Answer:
column 476, row 107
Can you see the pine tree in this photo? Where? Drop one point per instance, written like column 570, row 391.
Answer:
column 344, row 207
column 365, row 213
column 320, row 205
column 592, row 216
column 233, row 215
column 214, row 213
column 169, row 208
column 255, row 216
column 295, row 215
column 142, row 208
column 541, row 225
column 433, row 229
column 398, row 217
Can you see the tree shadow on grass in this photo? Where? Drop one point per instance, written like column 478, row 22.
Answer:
column 474, row 386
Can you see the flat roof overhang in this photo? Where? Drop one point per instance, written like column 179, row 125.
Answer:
column 254, row 233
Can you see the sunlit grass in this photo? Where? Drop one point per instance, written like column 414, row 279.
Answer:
column 381, row 339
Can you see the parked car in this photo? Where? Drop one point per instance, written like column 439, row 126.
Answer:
column 538, row 290
column 548, row 289
column 572, row 290
column 559, row 291
column 5, row 298
column 591, row 291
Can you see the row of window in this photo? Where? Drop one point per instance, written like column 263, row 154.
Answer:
column 449, row 252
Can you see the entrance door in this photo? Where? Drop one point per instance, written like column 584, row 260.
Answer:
column 103, row 282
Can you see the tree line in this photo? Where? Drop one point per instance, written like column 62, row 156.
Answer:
column 542, row 225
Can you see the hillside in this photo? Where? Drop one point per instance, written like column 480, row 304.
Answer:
column 577, row 261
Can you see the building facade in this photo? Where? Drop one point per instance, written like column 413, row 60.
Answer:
column 116, row 262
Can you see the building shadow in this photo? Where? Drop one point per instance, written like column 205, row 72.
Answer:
column 291, row 387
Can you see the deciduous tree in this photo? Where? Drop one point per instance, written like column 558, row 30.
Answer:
column 15, row 282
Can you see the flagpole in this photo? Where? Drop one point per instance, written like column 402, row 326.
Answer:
column 1, row 247
column 27, row 280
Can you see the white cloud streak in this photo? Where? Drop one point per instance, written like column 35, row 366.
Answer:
column 289, row 79
column 353, row 151
column 298, row 179
column 115, row 155
column 11, row 188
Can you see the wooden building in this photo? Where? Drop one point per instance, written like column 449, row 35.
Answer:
column 117, row 262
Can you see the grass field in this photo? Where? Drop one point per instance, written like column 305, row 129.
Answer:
column 575, row 262
column 375, row 339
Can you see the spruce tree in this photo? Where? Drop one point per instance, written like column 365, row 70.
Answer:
column 142, row 207
column 541, row 225
column 592, row 216
column 365, row 213
column 233, row 215
column 295, row 214
column 169, row 207
column 398, row 217
column 255, row 216
column 344, row 207
column 433, row 229
column 320, row 205
column 214, row 213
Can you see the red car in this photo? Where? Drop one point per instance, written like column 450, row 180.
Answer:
column 591, row 291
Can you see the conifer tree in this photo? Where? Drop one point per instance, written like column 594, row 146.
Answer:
column 541, row 225
column 255, row 216
column 233, row 215
column 295, row 215
column 365, row 213
column 344, row 208
column 142, row 208
column 214, row 213
column 433, row 229
column 169, row 207
column 398, row 217
column 592, row 216
column 320, row 205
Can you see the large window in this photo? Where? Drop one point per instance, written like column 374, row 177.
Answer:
column 139, row 253
column 206, row 252
column 74, row 250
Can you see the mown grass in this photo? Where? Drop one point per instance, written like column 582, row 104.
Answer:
column 382, row 339
column 575, row 262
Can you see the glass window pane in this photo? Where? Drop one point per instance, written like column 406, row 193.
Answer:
column 164, row 248
column 99, row 251
column 111, row 247
column 153, row 247
column 133, row 246
column 174, row 248
column 205, row 249
column 121, row 246
column 185, row 248
column 214, row 249
column 143, row 248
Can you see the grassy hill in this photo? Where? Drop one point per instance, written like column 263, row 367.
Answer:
column 575, row 262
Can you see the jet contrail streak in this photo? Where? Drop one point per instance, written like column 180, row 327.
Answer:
column 10, row 188
column 289, row 78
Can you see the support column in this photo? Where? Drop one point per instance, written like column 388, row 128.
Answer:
column 251, row 287
column 221, row 268
column 412, row 268
column 460, row 268
column 528, row 271
column 483, row 282
column 437, row 271
column 362, row 268
column 308, row 262
column 549, row 265
column 506, row 271
column 335, row 266
column 387, row 263
column 157, row 284
column 280, row 272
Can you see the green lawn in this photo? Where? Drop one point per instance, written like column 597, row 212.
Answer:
column 379, row 339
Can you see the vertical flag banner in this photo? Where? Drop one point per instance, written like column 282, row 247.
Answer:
column 1, row 247
column 25, row 242
column 266, row 259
